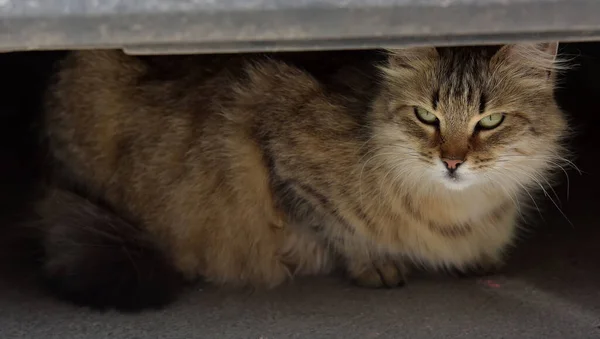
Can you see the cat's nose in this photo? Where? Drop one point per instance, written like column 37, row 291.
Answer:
column 452, row 164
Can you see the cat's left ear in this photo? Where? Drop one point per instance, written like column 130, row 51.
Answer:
column 540, row 57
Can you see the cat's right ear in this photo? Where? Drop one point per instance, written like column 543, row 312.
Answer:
column 406, row 61
column 412, row 58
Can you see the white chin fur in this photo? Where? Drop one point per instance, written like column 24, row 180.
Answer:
column 464, row 178
column 456, row 184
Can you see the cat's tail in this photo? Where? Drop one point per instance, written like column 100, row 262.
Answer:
column 93, row 257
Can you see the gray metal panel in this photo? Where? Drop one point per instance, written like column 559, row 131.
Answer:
column 149, row 26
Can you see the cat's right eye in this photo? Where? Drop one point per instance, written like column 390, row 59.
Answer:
column 425, row 116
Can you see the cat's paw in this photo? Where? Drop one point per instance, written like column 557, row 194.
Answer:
column 380, row 274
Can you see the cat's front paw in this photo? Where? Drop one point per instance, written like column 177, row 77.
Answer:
column 379, row 274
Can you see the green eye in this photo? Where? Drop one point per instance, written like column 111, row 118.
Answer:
column 425, row 116
column 491, row 121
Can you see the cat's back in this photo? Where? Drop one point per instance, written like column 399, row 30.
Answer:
column 138, row 121
column 106, row 101
column 114, row 120
column 107, row 89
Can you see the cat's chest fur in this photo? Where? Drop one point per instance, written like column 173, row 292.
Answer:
column 450, row 229
column 441, row 230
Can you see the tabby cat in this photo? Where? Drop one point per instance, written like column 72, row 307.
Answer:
column 248, row 170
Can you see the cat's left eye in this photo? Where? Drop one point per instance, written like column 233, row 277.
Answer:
column 491, row 121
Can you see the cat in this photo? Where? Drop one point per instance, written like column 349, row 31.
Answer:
column 250, row 169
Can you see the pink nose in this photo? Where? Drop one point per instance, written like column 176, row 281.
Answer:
column 452, row 164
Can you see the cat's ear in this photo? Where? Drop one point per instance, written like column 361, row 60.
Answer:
column 408, row 60
column 413, row 57
column 550, row 48
column 541, row 57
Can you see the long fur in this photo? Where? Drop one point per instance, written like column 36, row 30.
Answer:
column 250, row 169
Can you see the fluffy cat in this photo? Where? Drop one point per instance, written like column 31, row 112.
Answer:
column 251, row 169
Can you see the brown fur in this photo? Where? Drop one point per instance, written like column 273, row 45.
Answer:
column 252, row 169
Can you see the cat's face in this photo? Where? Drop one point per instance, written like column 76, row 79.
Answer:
column 465, row 117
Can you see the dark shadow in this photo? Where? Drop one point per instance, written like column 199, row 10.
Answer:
column 563, row 254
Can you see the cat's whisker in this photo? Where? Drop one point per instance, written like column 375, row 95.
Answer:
column 554, row 191
column 549, row 160
column 533, row 177
column 393, row 169
column 568, row 179
column 378, row 150
column 360, row 177
column 556, row 205
column 516, row 181
column 513, row 197
column 557, row 165
column 383, row 186
column 570, row 163
column 366, row 144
